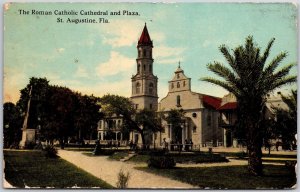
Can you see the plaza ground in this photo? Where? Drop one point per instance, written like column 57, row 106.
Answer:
column 107, row 170
column 141, row 177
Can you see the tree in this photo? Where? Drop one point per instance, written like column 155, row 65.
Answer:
column 291, row 102
column 132, row 119
column 12, row 122
column 149, row 122
column 175, row 117
column 58, row 112
column 250, row 80
column 39, row 98
column 285, row 123
column 87, row 115
column 61, row 109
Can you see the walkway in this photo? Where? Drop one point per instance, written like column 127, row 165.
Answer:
column 107, row 170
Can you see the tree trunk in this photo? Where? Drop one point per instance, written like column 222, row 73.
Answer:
column 143, row 139
column 62, row 143
column 252, row 119
column 254, row 146
column 255, row 162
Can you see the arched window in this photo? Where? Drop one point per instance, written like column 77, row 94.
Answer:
column 138, row 69
column 184, row 83
column 172, row 85
column 137, row 88
column 150, row 68
column 139, row 52
column 151, row 88
column 144, row 68
column 178, row 100
column 178, row 75
column 145, row 52
column 178, row 85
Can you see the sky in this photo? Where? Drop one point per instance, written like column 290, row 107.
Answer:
column 100, row 58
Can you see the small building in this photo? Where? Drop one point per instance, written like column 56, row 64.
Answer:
column 228, row 116
column 110, row 129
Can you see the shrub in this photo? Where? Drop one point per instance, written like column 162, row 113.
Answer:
column 30, row 145
column 123, row 179
column 242, row 155
column 161, row 162
column 50, row 151
column 291, row 166
column 118, row 156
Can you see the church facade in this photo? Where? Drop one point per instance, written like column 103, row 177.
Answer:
column 200, row 123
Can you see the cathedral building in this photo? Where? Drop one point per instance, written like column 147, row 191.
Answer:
column 200, row 123
column 201, row 116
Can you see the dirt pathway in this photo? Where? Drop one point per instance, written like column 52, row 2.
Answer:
column 107, row 170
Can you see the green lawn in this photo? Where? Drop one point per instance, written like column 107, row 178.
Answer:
column 33, row 169
column 238, row 154
column 230, row 177
column 118, row 155
column 184, row 157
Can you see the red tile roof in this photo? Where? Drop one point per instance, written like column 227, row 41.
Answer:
column 213, row 102
column 145, row 37
column 228, row 106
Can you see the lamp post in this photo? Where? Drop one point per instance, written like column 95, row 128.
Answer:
column 38, row 132
column 5, row 138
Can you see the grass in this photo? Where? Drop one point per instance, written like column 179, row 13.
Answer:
column 237, row 154
column 33, row 169
column 275, row 160
column 118, row 155
column 230, row 177
column 139, row 158
column 184, row 158
column 79, row 149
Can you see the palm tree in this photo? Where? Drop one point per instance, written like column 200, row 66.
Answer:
column 250, row 79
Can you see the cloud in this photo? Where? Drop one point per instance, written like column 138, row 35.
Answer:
column 171, row 61
column 122, row 87
column 168, row 55
column 122, row 33
column 117, row 63
column 126, row 33
column 206, row 43
column 14, row 80
column 157, row 37
column 81, row 71
column 60, row 50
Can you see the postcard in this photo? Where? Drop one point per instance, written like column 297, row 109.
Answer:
column 150, row 95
